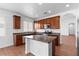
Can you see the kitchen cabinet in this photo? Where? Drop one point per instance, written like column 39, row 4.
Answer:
column 18, row 39
column 54, row 22
column 41, row 22
column 48, row 21
column 36, row 24
column 16, row 22
column 57, row 41
column 44, row 21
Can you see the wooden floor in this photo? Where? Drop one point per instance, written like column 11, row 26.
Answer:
column 12, row 51
column 66, row 49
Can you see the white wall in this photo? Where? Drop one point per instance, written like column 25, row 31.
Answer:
column 27, row 26
column 64, row 31
column 7, row 40
column 65, row 21
column 78, row 25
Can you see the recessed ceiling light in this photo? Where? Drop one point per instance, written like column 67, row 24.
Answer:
column 49, row 11
column 67, row 5
column 40, row 3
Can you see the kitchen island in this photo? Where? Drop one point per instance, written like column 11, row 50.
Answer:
column 40, row 45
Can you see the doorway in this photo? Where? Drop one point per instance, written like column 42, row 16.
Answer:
column 71, row 29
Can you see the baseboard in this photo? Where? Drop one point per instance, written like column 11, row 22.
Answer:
column 7, row 45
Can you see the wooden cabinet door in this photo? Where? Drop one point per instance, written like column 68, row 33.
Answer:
column 44, row 21
column 37, row 25
column 48, row 21
column 51, row 21
column 16, row 22
column 57, row 22
column 41, row 23
column 18, row 40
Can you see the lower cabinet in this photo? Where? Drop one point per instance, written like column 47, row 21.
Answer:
column 18, row 39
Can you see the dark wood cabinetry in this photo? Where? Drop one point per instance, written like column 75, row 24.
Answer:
column 41, row 22
column 54, row 22
column 18, row 39
column 36, row 24
column 16, row 22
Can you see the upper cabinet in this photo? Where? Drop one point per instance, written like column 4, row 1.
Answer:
column 54, row 23
column 36, row 25
column 16, row 22
column 41, row 23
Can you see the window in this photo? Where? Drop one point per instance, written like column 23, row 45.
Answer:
column 28, row 26
column 2, row 27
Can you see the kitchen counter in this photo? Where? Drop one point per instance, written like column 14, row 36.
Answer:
column 40, row 34
column 35, row 33
column 57, row 42
column 44, row 38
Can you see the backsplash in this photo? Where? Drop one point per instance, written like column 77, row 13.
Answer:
column 53, row 30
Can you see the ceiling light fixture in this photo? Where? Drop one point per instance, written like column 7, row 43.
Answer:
column 49, row 11
column 40, row 3
column 67, row 5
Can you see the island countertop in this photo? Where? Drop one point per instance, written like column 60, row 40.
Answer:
column 43, row 38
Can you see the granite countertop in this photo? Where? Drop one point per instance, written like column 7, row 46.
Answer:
column 24, row 33
column 44, row 38
column 17, row 33
column 36, row 33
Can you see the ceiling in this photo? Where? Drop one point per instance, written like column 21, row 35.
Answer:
column 37, row 10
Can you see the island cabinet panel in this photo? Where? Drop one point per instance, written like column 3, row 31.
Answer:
column 16, row 22
column 34, row 44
